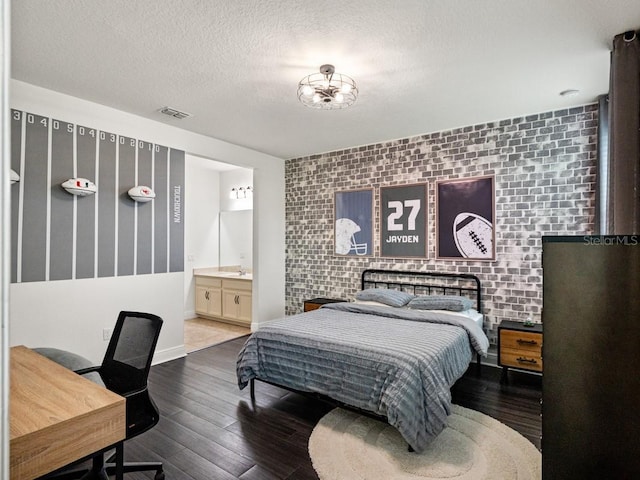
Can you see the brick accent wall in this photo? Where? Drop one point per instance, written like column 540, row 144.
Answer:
column 544, row 167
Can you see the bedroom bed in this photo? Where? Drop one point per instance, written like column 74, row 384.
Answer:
column 393, row 353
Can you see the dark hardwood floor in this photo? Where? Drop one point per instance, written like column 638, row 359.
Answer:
column 209, row 429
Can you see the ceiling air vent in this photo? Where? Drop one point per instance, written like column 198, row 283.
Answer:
column 172, row 112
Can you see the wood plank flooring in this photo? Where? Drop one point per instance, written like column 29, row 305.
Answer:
column 209, row 429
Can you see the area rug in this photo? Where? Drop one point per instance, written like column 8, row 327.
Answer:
column 349, row 446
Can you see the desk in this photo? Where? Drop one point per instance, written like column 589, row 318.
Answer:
column 57, row 416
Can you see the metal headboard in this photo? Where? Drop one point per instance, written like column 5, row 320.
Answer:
column 425, row 283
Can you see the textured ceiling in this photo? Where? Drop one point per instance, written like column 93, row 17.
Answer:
column 421, row 65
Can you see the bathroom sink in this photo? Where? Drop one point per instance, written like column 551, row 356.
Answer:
column 232, row 274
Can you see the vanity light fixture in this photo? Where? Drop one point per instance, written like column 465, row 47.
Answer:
column 241, row 192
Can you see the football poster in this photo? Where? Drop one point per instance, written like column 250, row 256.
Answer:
column 353, row 223
column 403, row 221
column 465, row 218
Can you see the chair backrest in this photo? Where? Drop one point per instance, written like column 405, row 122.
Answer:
column 126, row 363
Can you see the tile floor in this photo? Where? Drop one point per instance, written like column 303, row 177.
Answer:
column 201, row 333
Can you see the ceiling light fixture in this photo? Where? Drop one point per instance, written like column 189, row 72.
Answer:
column 327, row 90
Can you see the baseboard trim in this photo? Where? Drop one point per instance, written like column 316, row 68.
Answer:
column 168, row 354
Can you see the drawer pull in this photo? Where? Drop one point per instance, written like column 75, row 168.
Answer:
column 526, row 342
column 532, row 361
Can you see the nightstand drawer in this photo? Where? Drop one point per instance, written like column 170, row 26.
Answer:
column 530, row 342
column 519, row 347
column 521, row 359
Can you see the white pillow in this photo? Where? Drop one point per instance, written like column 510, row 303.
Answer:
column 371, row 302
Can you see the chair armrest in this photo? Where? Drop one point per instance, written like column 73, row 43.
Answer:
column 82, row 371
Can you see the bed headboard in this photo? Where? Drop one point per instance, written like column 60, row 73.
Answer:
column 425, row 283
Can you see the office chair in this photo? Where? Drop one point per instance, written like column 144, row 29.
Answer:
column 124, row 370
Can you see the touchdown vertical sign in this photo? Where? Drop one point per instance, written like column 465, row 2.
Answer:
column 403, row 222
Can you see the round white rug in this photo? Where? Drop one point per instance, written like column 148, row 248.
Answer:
column 348, row 446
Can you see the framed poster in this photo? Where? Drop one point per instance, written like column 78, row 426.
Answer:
column 403, row 221
column 353, row 223
column 465, row 211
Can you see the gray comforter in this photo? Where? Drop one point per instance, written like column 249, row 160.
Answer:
column 394, row 362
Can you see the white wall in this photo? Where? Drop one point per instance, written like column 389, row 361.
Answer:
column 268, row 257
column 201, row 224
column 5, row 237
column 72, row 314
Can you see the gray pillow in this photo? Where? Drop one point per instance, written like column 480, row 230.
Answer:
column 393, row 298
column 71, row 361
column 453, row 303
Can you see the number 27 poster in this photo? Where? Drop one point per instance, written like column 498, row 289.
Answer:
column 403, row 221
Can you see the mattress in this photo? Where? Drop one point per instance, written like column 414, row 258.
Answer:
column 393, row 362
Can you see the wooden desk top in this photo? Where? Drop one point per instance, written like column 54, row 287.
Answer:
column 57, row 416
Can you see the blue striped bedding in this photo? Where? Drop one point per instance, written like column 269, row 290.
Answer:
column 394, row 362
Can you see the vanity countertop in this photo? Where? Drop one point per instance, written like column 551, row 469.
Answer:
column 222, row 272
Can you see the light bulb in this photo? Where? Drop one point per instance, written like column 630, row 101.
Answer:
column 308, row 90
column 346, row 88
column 316, row 98
column 339, row 98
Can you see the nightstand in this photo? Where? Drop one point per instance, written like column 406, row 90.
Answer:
column 316, row 303
column 519, row 347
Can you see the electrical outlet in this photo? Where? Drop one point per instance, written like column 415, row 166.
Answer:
column 106, row 334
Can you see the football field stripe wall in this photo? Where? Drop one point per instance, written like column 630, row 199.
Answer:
column 86, row 147
column 61, row 211
column 59, row 236
column 161, row 220
column 176, row 234
column 35, row 193
column 144, row 220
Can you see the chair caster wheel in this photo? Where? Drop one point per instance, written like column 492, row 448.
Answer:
column 159, row 476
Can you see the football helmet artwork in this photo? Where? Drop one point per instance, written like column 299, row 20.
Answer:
column 346, row 243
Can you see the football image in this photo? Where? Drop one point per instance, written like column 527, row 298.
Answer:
column 473, row 235
column 80, row 187
column 142, row 194
column 345, row 238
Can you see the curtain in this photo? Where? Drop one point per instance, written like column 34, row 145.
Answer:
column 624, row 136
column 602, row 169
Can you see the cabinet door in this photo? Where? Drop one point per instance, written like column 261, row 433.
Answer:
column 244, row 306
column 229, row 305
column 215, row 302
column 202, row 300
